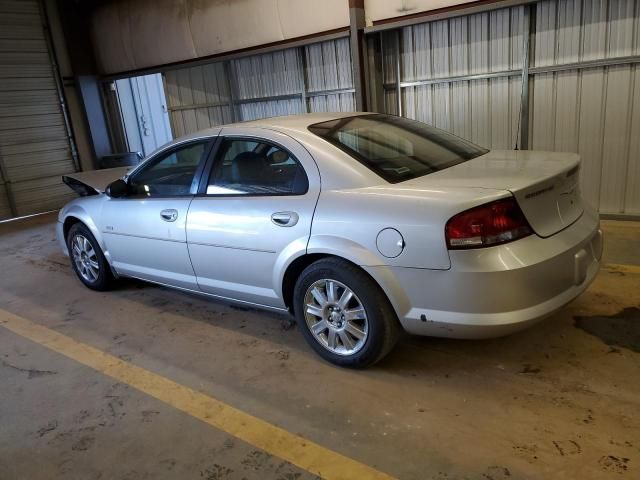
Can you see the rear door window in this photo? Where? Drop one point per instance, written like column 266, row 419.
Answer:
column 255, row 167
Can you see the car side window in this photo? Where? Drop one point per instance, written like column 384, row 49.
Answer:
column 170, row 174
column 255, row 167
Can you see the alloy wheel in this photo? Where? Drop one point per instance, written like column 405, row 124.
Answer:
column 336, row 317
column 85, row 258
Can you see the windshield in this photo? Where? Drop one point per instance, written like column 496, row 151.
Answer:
column 397, row 148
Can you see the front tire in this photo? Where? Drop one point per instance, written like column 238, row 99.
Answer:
column 343, row 314
column 87, row 259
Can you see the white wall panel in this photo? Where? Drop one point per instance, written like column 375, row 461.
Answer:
column 271, row 108
column 632, row 188
column 459, row 32
column 569, row 31
column 543, row 126
column 270, row 74
column 590, row 130
column 501, row 120
column 461, row 109
column 469, row 109
column 591, row 111
column 566, row 112
column 328, row 67
column 480, row 112
column 441, row 106
column 197, row 97
column 621, row 25
column 616, row 139
column 500, row 40
column 342, row 102
column 479, row 43
column 594, row 26
column 485, row 111
column 440, row 48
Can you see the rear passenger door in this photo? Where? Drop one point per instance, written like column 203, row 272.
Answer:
column 252, row 214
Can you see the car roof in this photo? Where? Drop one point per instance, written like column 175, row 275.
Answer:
column 286, row 122
column 296, row 122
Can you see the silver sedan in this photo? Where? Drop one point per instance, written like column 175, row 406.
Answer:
column 361, row 225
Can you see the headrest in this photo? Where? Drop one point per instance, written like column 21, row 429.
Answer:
column 249, row 167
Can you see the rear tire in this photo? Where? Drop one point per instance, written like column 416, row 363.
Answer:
column 87, row 259
column 343, row 314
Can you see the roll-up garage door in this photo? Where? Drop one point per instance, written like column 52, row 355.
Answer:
column 35, row 147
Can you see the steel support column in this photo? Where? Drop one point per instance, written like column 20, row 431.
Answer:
column 523, row 121
column 358, row 46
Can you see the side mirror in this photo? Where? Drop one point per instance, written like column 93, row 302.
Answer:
column 117, row 189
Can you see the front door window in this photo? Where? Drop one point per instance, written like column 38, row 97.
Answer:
column 169, row 175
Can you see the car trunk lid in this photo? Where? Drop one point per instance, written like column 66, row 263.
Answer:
column 545, row 184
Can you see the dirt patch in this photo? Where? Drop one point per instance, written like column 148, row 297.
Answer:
column 621, row 329
column 609, row 463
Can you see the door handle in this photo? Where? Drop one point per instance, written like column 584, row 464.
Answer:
column 285, row 219
column 169, row 215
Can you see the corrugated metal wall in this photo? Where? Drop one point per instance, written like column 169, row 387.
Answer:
column 198, row 97
column 329, row 70
column 35, row 149
column 317, row 77
column 464, row 75
column 269, row 84
column 590, row 109
column 484, row 110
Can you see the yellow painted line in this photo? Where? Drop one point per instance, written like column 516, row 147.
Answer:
column 620, row 267
column 276, row 441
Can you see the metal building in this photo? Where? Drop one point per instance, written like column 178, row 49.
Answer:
column 549, row 75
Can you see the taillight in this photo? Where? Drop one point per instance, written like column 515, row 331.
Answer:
column 497, row 222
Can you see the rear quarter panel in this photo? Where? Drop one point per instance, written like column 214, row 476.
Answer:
column 347, row 222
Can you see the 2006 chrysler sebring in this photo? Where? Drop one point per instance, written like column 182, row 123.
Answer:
column 359, row 224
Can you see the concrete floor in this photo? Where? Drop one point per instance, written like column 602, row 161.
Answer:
column 561, row 400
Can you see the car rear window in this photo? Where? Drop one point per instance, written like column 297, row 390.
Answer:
column 396, row 148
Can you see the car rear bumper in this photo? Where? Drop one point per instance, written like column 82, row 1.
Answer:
column 496, row 291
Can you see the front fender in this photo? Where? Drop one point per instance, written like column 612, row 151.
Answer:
column 85, row 210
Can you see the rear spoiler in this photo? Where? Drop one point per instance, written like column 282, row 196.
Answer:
column 93, row 182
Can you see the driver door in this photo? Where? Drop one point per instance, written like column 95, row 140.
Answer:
column 145, row 232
